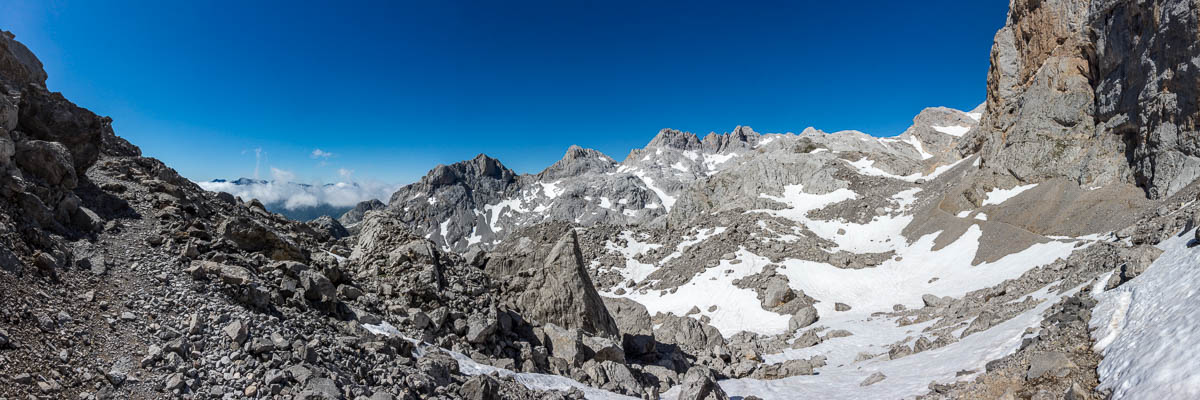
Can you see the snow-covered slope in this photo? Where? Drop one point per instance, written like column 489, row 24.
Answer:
column 1147, row 328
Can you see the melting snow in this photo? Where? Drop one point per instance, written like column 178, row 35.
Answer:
column 867, row 167
column 997, row 196
column 917, row 145
column 956, row 130
column 496, row 210
column 667, row 200
column 634, row 269
column 711, row 161
column 533, row 380
column 470, row 367
column 879, row 235
column 906, row 377
column 551, row 190
column 1146, row 328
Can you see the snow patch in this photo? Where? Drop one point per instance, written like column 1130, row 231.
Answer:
column 956, row 130
column 997, row 196
column 1146, row 328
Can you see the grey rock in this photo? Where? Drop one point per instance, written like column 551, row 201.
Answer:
column 566, row 344
column 803, row 318
column 604, row 349
column 700, row 384
column 1049, row 363
column 934, row 301
column 480, row 328
column 873, row 379
column 236, row 331
column 556, row 289
column 481, row 387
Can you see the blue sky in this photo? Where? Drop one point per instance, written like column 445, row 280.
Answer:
column 391, row 89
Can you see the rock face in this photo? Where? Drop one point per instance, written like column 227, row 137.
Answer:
column 1097, row 92
column 555, row 288
column 1147, row 79
column 355, row 215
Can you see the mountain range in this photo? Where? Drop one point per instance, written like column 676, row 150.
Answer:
column 1042, row 245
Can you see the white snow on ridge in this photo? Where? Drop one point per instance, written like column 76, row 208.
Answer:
column 712, row 161
column 551, row 190
column 974, row 115
column 867, row 167
column 1146, row 328
column 495, row 211
column 997, row 196
column 667, row 200
column 956, row 131
column 917, row 145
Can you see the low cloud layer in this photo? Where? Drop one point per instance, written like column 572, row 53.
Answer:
column 295, row 195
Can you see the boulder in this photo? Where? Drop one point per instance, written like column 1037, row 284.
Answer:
column 49, row 162
column 47, row 116
column 687, row 332
column 1049, row 364
column 873, row 379
column 18, row 65
column 317, row 287
column 803, row 318
column 329, row 226
column 633, row 321
column 566, row 344
column 613, row 376
column 481, row 387
column 783, row 370
column 701, row 384
column 934, row 301
column 604, row 349
column 249, row 235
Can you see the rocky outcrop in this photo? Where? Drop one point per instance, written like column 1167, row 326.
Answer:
column 355, row 215
column 18, row 65
column 550, row 283
column 1097, row 92
column 701, row 384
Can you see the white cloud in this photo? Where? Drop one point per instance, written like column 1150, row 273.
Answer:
column 282, row 175
column 295, row 195
column 345, row 173
column 257, row 159
column 318, row 153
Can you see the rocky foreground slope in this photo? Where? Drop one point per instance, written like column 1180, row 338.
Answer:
column 1030, row 248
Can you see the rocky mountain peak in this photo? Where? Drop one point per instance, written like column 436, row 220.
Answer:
column 742, row 137
column 480, row 167
column 578, row 161
column 674, row 139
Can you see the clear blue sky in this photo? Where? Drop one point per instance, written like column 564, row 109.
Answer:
column 394, row 88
